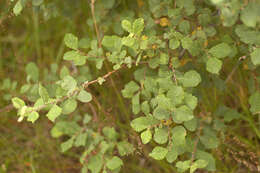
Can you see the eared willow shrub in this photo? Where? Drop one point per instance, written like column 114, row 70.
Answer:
column 176, row 49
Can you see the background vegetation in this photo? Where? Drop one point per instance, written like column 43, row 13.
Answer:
column 33, row 32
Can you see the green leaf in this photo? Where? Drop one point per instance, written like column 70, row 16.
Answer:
column 220, row 50
column 161, row 135
column 145, row 107
column 178, row 135
column 250, row 14
column 126, row 25
column 76, row 57
column 64, row 72
column 37, row 2
column 198, row 164
column 110, row 133
column 183, row 165
column 54, row 112
column 254, row 101
column 172, row 155
column 211, row 166
column 146, row 136
column 255, row 56
column 192, row 124
column 84, row 96
column 18, row 103
column 174, row 43
column 158, row 153
column 69, row 106
column 71, row 41
column 33, row 116
column 125, row 148
column 95, row 163
column 138, row 26
column 65, row 146
column 136, row 103
column 190, row 79
column 128, row 41
column 81, row 140
column 44, row 94
column 176, row 95
column 18, row 7
column 182, row 114
column 130, row 89
column 190, row 100
column 32, row 71
column 87, row 118
column 114, row 163
column 69, row 83
column 112, row 43
column 141, row 123
column 213, row 65
column 161, row 113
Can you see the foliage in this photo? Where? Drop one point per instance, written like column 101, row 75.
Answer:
column 174, row 52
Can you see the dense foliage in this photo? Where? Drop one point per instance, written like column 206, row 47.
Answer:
column 141, row 83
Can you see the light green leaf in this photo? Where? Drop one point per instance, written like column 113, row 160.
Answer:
column 176, row 94
column 84, row 96
column 182, row 114
column 33, row 116
column 213, row 65
column 178, row 135
column 126, row 25
column 174, row 43
column 190, row 79
column 43, row 93
column 161, row 113
column 190, row 100
column 145, row 107
column 112, row 43
column 172, row 155
column 191, row 125
column 110, row 133
column 18, row 103
column 125, row 148
column 32, row 71
column 158, row 153
column 69, row 106
column 75, row 56
column 130, row 89
column 161, row 135
column 80, row 140
column 250, row 14
column 198, row 164
column 183, row 165
column 87, row 118
column 128, row 41
column 146, row 136
column 37, row 2
column 95, row 163
column 54, row 112
column 138, row 26
column 255, row 56
column 64, row 72
column 220, row 50
column 65, row 146
column 18, row 8
column 114, row 163
column 69, row 83
column 141, row 123
column 254, row 101
column 71, row 41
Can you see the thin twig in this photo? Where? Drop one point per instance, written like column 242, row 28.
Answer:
column 95, row 21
